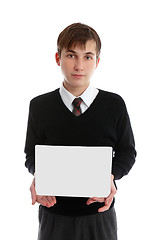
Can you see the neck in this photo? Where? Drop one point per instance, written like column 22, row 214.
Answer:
column 76, row 91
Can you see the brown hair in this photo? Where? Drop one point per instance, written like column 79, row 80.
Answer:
column 77, row 33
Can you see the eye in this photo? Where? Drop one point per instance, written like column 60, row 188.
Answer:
column 70, row 55
column 88, row 57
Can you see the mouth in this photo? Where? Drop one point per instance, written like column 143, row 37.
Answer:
column 78, row 75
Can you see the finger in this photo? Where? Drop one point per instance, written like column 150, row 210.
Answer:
column 108, row 202
column 51, row 200
column 107, row 205
column 99, row 199
column 47, row 202
column 42, row 200
column 54, row 199
column 109, row 199
column 95, row 199
column 33, row 196
column 104, row 208
column 90, row 201
column 111, row 195
column 33, row 193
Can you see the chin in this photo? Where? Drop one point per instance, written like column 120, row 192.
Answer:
column 79, row 83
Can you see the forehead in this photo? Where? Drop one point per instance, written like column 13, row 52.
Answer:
column 89, row 46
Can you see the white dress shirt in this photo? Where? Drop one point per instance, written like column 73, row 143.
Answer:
column 87, row 96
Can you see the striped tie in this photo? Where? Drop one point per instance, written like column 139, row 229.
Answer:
column 76, row 103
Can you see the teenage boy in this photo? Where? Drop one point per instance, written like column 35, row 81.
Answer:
column 77, row 114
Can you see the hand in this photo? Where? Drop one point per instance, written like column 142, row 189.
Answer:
column 47, row 201
column 107, row 200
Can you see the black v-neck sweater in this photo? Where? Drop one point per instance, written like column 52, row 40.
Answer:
column 104, row 123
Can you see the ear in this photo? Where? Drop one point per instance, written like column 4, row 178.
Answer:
column 57, row 59
column 97, row 62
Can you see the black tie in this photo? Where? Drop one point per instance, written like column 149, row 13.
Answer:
column 76, row 103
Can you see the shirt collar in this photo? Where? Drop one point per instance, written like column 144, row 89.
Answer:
column 87, row 95
column 68, row 98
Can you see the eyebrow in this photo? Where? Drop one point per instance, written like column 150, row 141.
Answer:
column 88, row 53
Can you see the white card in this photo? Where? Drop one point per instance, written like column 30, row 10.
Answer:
column 73, row 171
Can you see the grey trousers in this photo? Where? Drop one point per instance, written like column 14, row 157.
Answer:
column 100, row 226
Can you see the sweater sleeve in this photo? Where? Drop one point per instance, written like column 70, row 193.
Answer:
column 125, row 152
column 32, row 138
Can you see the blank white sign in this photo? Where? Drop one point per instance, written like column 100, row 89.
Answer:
column 73, row 171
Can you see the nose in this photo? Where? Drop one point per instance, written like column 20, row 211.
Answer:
column 79, row 65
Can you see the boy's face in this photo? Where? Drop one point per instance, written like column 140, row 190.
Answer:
column 78, row 64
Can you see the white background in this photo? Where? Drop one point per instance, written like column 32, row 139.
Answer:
column 129, row 66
